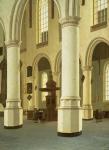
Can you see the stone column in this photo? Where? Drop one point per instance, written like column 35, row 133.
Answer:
column 87, row 103
column 13, row 113
column 69, row 112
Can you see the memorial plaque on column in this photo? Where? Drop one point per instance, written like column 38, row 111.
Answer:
column 29, row 88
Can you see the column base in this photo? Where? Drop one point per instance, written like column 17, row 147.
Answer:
column 15, row 127
column 69, row 134
column 69, row 119
column 13, row 118
column 87, row 112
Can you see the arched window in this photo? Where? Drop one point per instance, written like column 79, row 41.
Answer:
column 99, row 11
column 43, row 21
column 106, row 83
column 44, row 79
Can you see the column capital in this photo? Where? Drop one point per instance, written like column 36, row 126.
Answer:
column 69, row 21
column 13, row 43
column 87, row 68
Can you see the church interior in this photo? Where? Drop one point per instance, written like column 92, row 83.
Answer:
column 54, row 74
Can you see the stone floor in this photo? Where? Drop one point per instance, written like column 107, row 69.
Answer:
column 43, row 136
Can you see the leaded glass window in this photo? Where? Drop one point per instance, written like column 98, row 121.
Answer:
column 43, row 21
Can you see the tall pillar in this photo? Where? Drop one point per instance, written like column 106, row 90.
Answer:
column 87, row 103
column 69, row 112
column 13, row 113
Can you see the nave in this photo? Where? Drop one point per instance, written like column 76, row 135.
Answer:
column 43, row 136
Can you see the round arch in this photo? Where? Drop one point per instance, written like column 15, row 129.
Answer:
column 35, row 77
column 37, row 59
column 90, row 49
column 17, row 17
